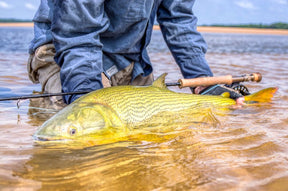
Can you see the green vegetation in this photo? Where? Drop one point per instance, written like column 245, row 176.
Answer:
column 14, row 21
column 278, row 25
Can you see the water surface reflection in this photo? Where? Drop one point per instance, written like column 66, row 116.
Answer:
column 247, row 151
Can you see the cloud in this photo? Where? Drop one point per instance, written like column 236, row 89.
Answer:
column 30, row 6
column 4, row 5
column 245, row 4
column 283, row 2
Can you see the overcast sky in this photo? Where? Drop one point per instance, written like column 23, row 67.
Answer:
column 207, row 11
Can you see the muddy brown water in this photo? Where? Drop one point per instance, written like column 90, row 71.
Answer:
column 247, row 151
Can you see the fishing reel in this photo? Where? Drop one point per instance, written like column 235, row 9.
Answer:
column 240, row 88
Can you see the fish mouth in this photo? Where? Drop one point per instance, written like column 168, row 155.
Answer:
column 36, row 138
column 46, row 138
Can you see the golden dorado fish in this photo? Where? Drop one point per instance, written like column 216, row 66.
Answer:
column 118, row 111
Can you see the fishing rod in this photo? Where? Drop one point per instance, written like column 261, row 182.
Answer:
column 194, row 82
column 42, row 95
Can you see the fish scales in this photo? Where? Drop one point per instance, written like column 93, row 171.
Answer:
column 137, row 104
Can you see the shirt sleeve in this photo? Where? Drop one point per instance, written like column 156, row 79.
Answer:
column 179, row 28
column 76, row 26
column 42, row 26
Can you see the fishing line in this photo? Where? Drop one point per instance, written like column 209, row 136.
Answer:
column 194, row 82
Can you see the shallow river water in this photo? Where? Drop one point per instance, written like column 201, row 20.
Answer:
column 248, row 150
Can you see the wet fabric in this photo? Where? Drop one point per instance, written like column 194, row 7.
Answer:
column 92, row 37
column 43, row 69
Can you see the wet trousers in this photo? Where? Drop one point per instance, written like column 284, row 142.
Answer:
column 43, row 69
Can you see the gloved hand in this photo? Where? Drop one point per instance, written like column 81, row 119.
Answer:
column 235, row 90
column 43, row 69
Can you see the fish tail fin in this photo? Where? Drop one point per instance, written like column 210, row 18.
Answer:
column 261, row 96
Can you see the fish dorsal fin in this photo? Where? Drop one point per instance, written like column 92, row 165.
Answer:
column 160, row 81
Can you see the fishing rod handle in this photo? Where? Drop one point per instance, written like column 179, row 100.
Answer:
column 228, row 79
column 205, row 81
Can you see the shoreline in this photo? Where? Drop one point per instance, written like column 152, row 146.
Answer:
column 202, row 29
column 242, row 30
column 24, row 24
column 236, row 30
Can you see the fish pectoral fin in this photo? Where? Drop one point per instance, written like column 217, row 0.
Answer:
column 208, row 117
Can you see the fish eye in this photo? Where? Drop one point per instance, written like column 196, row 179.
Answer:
column 73, row 131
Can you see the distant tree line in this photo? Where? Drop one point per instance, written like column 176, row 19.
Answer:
column 14, row 20
column 278, row 25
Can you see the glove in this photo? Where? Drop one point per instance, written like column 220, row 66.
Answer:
column 42, row 68
column 235, row 90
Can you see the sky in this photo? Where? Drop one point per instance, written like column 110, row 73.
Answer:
column 207, row 11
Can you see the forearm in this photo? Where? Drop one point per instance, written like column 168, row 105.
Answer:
column 42, row 26
column 179, row 27
column 75, row 31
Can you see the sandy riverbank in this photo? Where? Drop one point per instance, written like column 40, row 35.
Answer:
column 28, row 24
column 205, row 29
column 243, row 30
column 200, row 29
